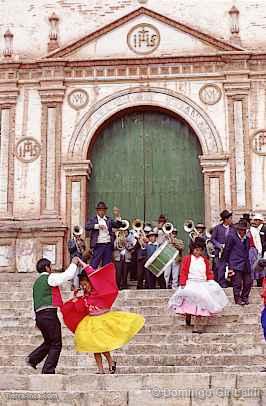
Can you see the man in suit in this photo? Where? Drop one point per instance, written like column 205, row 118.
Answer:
column 102, row 236
column 219, row 235
column 236, row 256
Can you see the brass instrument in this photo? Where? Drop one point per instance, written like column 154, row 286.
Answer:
column 190, row 228
column 138, row 227
column 120, row 235
column 168, row 228
column 209, row 245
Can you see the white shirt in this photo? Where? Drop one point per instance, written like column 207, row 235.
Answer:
column 197, row 269
column 255, row 232
column 104, row 236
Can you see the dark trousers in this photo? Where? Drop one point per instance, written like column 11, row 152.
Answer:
column 122, row 268
column 242, row 284
column 47, row 321
column 140, row 273
column 219, row 272
column 151, row 279
column 102, row 254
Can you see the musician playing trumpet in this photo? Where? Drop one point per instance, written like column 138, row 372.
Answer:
column 76, row 245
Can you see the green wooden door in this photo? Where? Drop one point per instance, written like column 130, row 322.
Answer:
column 147, row 163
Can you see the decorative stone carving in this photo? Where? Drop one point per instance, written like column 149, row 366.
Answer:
column 210, row 94
column 259, row 142
column 234, row 15
column 78, row 99
column 53, row 34
column 28, row 149
column 143, row 39
column 8, row 49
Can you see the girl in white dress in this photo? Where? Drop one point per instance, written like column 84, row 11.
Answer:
column 198, row 294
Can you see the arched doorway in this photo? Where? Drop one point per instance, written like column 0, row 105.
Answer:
column 145, row 161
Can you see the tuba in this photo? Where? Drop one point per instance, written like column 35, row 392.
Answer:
column 189, row 228
column 120, row 235
column 138, row 227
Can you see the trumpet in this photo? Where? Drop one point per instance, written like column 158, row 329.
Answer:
column 125, row 225
column 138, row 227
column 190, row 228
column 168, row 228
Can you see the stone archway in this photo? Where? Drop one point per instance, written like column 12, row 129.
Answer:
column 179, row 104
column 213, row 161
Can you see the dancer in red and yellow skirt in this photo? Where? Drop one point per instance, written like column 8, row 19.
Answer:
column 97, row 329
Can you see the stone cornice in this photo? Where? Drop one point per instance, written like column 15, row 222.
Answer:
column 214, row 163
column 8, row 93
column 52, row 91
column 78, row 168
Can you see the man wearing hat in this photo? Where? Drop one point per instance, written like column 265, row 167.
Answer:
column 258, row 232
column 236, row 256
column 219, row 236
column 102, row 236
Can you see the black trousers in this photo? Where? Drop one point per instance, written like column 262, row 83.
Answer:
column 121, row 273
column 242, row 284
column 47, row 321
column 140, row 272
column 152, row 279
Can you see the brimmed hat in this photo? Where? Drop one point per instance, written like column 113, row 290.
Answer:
column 200, row 225
column 246, row 217
column 175, row 230
column 225, row 214
column 101, row 205
column 258, row 216
column 77, row 230
column 147, row 229
column 241, row 225
column 152, row 232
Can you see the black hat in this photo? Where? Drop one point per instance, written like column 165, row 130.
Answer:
column 242, row 224
column 200, row 225
column 225, row 214
column 101, row 205
column 246, row 217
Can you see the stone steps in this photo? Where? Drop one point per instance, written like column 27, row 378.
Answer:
column 164, row 356
column 153, row 360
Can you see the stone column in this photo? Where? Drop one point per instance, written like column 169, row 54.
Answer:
column 8, row 98
column 52, row 95
column 213, row 167
column 239, row 144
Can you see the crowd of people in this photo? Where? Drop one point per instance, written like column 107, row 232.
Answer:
column 238, row 256
column 233, row 255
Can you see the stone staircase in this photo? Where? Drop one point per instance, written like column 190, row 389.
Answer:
column 166, row 364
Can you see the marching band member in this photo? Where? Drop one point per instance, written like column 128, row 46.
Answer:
column 162, row 220
column 150, row 248
column 219, row 235
column 173, row 269
column 201, row 229
column 122, row 258
column 198, row 294
column 76, row 245
column 102, row 236
column 236, row 255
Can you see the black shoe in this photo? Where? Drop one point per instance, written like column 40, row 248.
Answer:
column 27, row 360
column 263, row 370
column 198, row 331
column 240, row 302
column 188, row 319
column 113, row 368
column 245, row 302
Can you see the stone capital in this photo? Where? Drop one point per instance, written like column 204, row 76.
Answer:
column 78, row 168
column 8, row 93
column 52, row 91
column 237, row 86
column 213, row 163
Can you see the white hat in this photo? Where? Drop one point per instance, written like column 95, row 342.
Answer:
column 258, row 216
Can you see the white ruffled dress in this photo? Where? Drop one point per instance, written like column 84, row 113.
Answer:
column 200, row 297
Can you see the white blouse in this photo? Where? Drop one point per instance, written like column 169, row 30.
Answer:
column 197, row 269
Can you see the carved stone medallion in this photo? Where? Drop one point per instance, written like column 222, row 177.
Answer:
column 28, row 149
column 143, row 39
column 210, row 94
column 259, row 142
column 78, row 99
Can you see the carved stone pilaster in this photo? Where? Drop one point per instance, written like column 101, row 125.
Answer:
column 213, row 168
column 51, row 98
column 239, row 144
column 8, row 99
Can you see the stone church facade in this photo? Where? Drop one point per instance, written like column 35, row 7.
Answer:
column 67, row 67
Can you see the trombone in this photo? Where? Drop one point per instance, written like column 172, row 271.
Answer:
column 190, row 228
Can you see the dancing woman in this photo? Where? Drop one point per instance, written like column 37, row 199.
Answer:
column 198, row 293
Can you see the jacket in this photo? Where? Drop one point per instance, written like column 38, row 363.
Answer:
column 184, row 271
column 94, row 234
